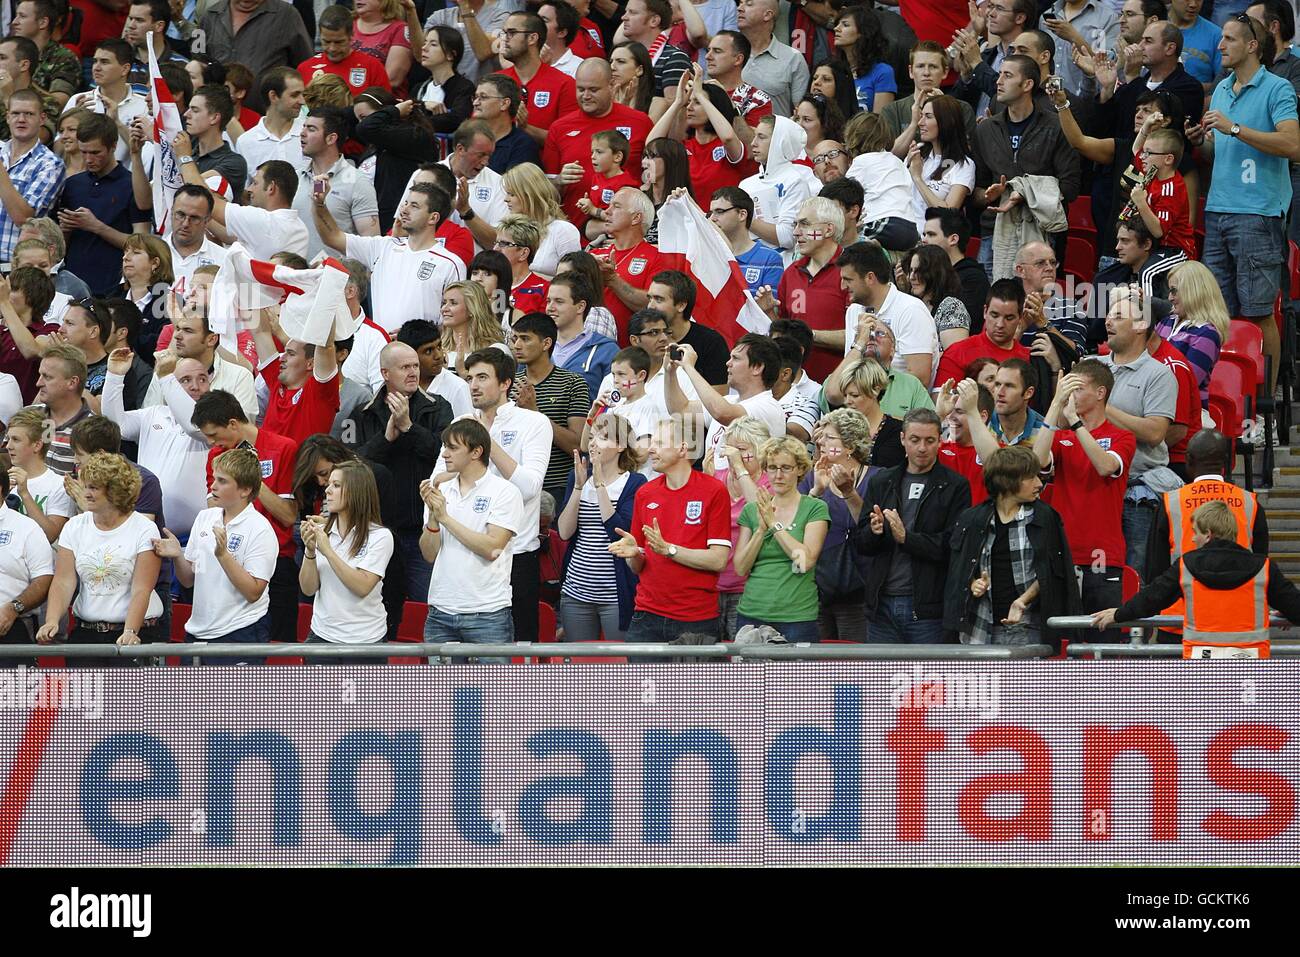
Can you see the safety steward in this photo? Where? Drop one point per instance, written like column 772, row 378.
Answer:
column 1227, row 591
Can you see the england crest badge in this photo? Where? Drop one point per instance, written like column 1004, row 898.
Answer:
column 693, row 512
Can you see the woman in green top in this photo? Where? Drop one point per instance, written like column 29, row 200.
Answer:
column 781, row 536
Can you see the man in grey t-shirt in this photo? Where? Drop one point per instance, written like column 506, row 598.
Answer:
column 1144, row 401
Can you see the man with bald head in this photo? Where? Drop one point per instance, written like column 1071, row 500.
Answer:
column 1036, row 268
column 774, row 67
column 830, row 161
column 401, row 428
column 566, row 158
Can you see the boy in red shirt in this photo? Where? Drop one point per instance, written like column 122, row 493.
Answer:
column 679, row 541
column 609, row 153
column 1088, row 459
column 958, row 453
column 1163, row 204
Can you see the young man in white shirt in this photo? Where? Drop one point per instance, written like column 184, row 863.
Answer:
column 229, row 558
column 435, row 378
column 268, row 224
column 408, row 274
column 112, row 96
column 470, row 519
column 520, row 453
column 752, row 370
column 277, row 136
column 866, row 273
column 40, row 490
column 167, row 447
column 26, row 568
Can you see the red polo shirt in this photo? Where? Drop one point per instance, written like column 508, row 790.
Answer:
column 277, row 456
column 635, row 266
column 955, row 359
column 1189, row 397
column 358, row 70
column 819, row 301
column 696, row 515
column 1091, row 505
column 711, row 170
column 965, row 461
column 548, row 95
column 307, row 410
column 569, row 141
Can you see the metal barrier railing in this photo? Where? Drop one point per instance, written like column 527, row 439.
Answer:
column 1086, row 649
column 797, row 652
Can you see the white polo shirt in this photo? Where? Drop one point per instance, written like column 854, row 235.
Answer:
column 463, row 583
column 183, row 267
column 132, row 105
column 362, row 363
column 405, row 283
column 914, row 328
column 219, row 608
column 259, row 144
column 25, row 554
column 487, row 197
column 265, row 232
column 762, row 406
column 338, row 614
column 166, row 448
column 526, row 437
column 454, row 389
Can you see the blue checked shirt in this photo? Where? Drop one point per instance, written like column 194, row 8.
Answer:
column 38, row 177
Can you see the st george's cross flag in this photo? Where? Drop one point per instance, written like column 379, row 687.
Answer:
column 312, row 301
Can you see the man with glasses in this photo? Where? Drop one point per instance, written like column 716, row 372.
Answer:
column 549, row 94
column 1134, row 17
column 496, row 103
column 648, row 329
column 31, row 176
column 875, row 340
column 1036, row 267
column 731, row 210
column 830, row 161
column 188, row 239
column 1253, row 119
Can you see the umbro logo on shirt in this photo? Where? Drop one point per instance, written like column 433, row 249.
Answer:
column 575, row 132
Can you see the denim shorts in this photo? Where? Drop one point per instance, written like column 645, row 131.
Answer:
column 1245, row 252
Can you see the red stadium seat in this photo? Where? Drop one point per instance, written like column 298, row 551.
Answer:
column 1245, row 339
column 1080, row 258
column 180, row 615
column 411, row 629
column 1227, row 385
column 1129, row 584
column 1079, row 215
column 1293, row 265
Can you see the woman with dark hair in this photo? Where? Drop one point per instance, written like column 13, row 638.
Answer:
column 859, row 40
column 703, row 117
column 941, row 165
column 928, row 275
column 491, row 270
column 599, row 319
column 983, row 370
column 632, row 76
column 820, row 118
column 402, row 136
column 318, row 456
column 665, row 166
column 834, row 80
column 447, row 97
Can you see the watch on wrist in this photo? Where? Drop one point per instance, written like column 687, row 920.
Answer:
column 778, row 527
column 18, row 605
column 672, row 551
column 1236, row 129
column 468, row 215
column 1076, row 425
column 184, row 159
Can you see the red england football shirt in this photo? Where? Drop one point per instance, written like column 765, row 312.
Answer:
column 277, row 456
column 696, row 515
column 529, row 294
column 588, row 42
column 548, row 95
column 965, row 461
column 569, row 141
column 358, row 70
column 298, row 413
column 457, row 240
column 603, row 188
column 955, row 359
column 1091, row 504
column 635, row 266
column 711, row 170
column 1189, row 397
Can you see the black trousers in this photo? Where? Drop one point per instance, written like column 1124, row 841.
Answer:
column 283, row 593
column 525, row 585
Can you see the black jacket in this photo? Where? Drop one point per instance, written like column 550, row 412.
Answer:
column 926, row 543
column 412, row 457
column 1216, row 564
column 1044, row 151
column 1115, row 117
column 1058, row 589
column 974, row 291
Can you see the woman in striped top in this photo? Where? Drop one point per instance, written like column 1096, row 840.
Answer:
column 1199, row 324
column 599, row 591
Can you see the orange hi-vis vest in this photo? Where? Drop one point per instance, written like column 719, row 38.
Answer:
column 1225, row 623
column 1182, row 502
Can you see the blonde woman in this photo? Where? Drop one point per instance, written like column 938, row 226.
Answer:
column 839, row 478
column 146, row 279
column 468, row 323
column 743, row 475
column 530, row 194
column 862, row 385
column 1199, row 324
column 781, row 538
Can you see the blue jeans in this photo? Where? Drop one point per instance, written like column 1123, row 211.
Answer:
column 649, row 628
column 1137, row 519
column 986, row 255
column 484, row 628
column 795, row 632
column 418, row 571
column 1245, row 252
column 895, row 623
column 258, row 633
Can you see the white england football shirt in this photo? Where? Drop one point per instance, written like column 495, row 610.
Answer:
column 405, row 284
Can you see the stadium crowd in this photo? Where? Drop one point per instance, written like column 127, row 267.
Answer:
column 957, row 380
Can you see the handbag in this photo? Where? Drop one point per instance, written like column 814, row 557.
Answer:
column 839, row 577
